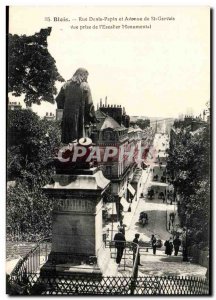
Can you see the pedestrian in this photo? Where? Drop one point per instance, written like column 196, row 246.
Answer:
column 184, row 245
column 122, row 228
column 151, row 194
column 135, row 244
column 120, row 240
column 168, row 247
column 172, row 217
column 154, row 243
column 169, row 225
column 176, row 243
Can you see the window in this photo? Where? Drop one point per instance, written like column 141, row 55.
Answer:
column 108, row 170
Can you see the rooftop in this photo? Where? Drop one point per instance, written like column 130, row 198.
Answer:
column 109, row 122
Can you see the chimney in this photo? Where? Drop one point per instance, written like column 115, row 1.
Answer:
column 100, row 102
column 97, row 106
column 106, row 101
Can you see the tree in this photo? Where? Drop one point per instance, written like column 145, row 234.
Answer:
column 31, row 144
column 143, row 123
column 28, row 212
column 32, row 70
column 189, row 168
column 30, row 151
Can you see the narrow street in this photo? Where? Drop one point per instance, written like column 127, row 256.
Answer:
column 155, row 208
column 159, row 264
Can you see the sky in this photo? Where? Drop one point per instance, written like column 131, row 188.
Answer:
column 159, row 72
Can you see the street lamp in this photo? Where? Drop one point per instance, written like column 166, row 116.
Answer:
column 185, row 244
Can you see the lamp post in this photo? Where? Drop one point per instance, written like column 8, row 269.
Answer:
column 185, row 243
column 112, row 229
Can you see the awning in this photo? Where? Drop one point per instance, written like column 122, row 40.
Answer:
column 125, row 204
column 131, row 189
column 121, row 193
column 153, row 183
column 111, row 208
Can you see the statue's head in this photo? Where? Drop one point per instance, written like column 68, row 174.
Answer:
column 80, row 76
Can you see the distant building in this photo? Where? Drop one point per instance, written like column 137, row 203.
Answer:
column 194, row 125
column 116, row 112
column 133, row 119
column 49, row 116
column 109, row 132
column 59, row 114
column 14, row 105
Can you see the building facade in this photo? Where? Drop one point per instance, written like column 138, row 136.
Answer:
column 13, row 105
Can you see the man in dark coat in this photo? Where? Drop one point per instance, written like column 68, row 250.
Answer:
column 168, row 247
column 78, row 110
column 120, row 240
column 154, row 244
column 176, row 243
column 135, row 243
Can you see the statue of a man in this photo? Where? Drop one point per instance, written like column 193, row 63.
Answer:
column 78, row 110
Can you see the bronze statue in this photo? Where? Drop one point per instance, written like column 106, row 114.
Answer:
column 76, row 100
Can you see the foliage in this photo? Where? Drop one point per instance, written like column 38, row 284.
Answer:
column 199, row 211
column 31, row 68
column 28, row 212
column 189, row 169
column 31, row 142
column 143, row 123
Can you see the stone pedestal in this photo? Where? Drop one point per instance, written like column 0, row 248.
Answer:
column 77, row 245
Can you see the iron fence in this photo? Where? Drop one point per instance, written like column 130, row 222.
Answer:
column 25, row 279
column 87, row 285
column 32, row 261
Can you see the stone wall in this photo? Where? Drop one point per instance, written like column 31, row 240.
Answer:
column 200, row 256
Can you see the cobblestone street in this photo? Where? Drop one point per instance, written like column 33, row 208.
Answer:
column 162, row 265
column 159, row 264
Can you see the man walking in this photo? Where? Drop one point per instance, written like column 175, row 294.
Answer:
column 120, row 240
column 176, row 244
column 135, row 244
column 168, row 246
column 154, row 243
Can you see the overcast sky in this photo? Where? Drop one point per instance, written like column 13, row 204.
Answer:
column 162, row 71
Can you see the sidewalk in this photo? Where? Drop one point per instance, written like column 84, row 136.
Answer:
column 128, row 216
column 171, row 208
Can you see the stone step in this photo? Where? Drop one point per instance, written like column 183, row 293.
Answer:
column 18, row 249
